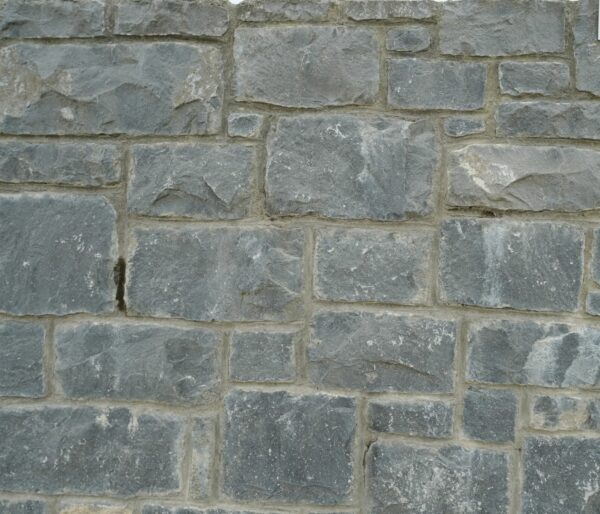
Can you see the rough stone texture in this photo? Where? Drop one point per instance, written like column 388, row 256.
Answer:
column 381, row 352
column 306, row 66
column 93, row 508
column 592, row 305
column 449, row 479
column 23, row 507
column 423, row 418
column 285, row 447
column 595, row 266
column 285, row 10
column 490, row 414
column 534, row 266
column 564, row 413
column 387, row 9
column 62, row 246
column 204, row 181
column 408, row 39
column 86, row 450
column 161, row 509
column 529, row 178
column 436, row 84
column 243, row 124
column 459, row 127
column 203, row 447
column 587, row 50
column 216, row 274
column 341, row 166
column 543, row 78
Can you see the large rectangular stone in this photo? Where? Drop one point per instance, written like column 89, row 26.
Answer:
column 190, row 509
column 284, row 10
column 74, row 507
column 489, row 414
column 564, row 413
column 542, row 78
column 587, row 50
column 360, row 10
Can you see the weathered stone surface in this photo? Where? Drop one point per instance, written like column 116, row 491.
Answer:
column 436, row 84
column 499, row 263
column 244, row 124
column 587, row 50
column 62, row 248
column 423, row 418
column 306, row 66
column 543, row 78
column 111, row 89
column 490, row 414
column 191, row 180
column 161, row 509
column 529, row 178
column 289, row 448
column 381, row 352
column 89, row 451
column 221, row 274
column 592, row 305
column 263, row 356
column 137, row 362
column 502, row 27
column 561, row 475
column 459, row 127
column 595, row 265
column 284, row 10
column 448, row 479
column 203, row 447
column 23, row 507
column 373, row 265
column 531, row 353
column 170, row 17
column 93, row 508
column 564, row 413
column 408, row 39
column 342, row 166
column 387, row 9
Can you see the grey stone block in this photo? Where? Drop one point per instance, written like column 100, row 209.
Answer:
column 161, row 509
column 202, row 462
column 342, row 166
column 232, row 274
column 361, row 10
column 284, row 10
column 381, row 352
column 592, row 304
column 459, row 127
column 564, row 413
column 490, row 414
column 23, row 507
column 543, row 78
column 423, row 418
column 244, row 124
column 306, row 66
column 93, row 508
column 408, row 39
column 587, row 50
column 436, row 84
column 62, row 247
column 288, row 448
column 595, row 265
column 533, row 266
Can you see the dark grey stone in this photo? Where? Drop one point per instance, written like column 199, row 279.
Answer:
column 408, row 39
column 459, row 127
column 592, row 305
column 289, row 448
column 285, row 10
column 423, row 418
column 381, row 352
column 436, row 84
column 244, row 124
column 543, row 78
column 449, row 479
column 587, row 49
column 202, row 463
column 564, row 413
column 223, row 274
column 23, row 507
column 62, row 247
column 306, row 66
column 361, row 10
column 86, row 450
column 533, row 266
column 490, row 414
column 342, row 166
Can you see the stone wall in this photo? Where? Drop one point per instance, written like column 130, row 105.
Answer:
column 314, row 258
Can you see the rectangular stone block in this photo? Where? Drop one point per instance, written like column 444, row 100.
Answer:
column 93, row 508
column 306, row 66
column 203, row 449
column 346, row 166
column 245, row 124
column 284, row 10
column 542, row 78
column 162, row 509
column 564, row 413
column 373, row 265
column 436, row 84
column 587, row 51
column 595, row 265
column 227, row 274
column 459, row 126
column 111, row 89
column 86, row 450
column 534, row 266
column 23, row 507
column 490, row 414
column 408, row 39
column 361, row 10
column 381, row 352
column 592, row 303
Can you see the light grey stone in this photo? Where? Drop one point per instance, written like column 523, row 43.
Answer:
column 436, row 84
column 564, row 413
column 87, row 450
column 408, row 39
column 62, row 248
column 381, row 352
column 289, row 448
column 543, row 78
column 191, row 180
column 502, row 27
column 244, row 124
column 161, row 509
column 423, row 418
column 343, row 166
column 595, row 265
column 306, row 66
column 373, row 265
column 449, row 479
column 592, row 305
column 534, row 266
column 145, row 88
column 23, row 507
column 587, row 49
column 227, row 274
column 285, row 10
column 490, row 414
column 361, row 10
column 528, row 178
column 459, row 127
column 74, row 507
column 532, row 353
column 202, row 465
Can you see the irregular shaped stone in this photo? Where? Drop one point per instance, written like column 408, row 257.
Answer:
column 449, row 479
column 306, row 66
column 60, row 246
column 22, row 360
column 561, row 475
column 502, row 27
column 23, row 507
column 373, row 265
column 217, row 274
column 191, row 180
column 284, row 10
column 203, row 447
column 587, row 51
column 459, row 127
column 534, row 266
column 288, row 448
column 531, row 353
column 592, row 305
column 423, row 418
column 342, row 166
column 529, row 178
column 170, row 17
column 263, row 356
column 564, row 413
column 93, row 508
column 542, row 78
column 490, row 414
column 111, row 89
column 387, row 9
column 244, row 124
column 436, row 84
column 408, row 39
column 381, row 352
column 86, row 450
